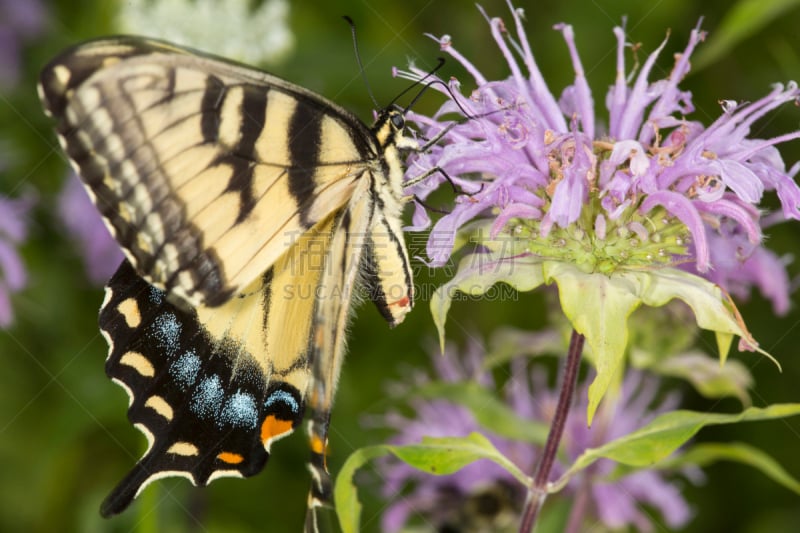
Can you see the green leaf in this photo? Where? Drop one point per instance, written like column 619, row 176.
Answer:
column 666, row 433
column 744, row 19
column 492, row 414
column 598, row 307
column 345, row 496
column 476, row 274
column 712, row 309
column 707, row 453
column 438, row 456
column 707, row 376
column 445, row 455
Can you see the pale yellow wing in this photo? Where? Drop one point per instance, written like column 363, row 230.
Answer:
column 206, row 171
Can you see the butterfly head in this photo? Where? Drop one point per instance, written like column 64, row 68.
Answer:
column 389, row 128
column 397, row 118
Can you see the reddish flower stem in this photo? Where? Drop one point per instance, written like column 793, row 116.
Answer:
column 538, row 490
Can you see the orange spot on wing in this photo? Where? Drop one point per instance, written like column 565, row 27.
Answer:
column 319, row 337
column 274, row 427
column 230, row 458
column 317, row 446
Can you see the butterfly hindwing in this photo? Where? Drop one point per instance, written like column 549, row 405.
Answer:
column 201, row 167
column 205, row 404
column 201, row 386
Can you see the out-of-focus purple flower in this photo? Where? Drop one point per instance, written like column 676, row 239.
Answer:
column 618, row 504
column 13, row 231
column 441, row 498
column 101, row 253
column 651, row 188
column 445, row 501
column 740, row 265
column 20, row 21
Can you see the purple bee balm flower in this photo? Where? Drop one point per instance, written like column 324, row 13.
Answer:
column 444, row 501
column 434, row 496
column 13, row 231
column 618, row 504
column 652, row 188
column 740, row 265
column 20, row 21
column 653, row 207
column 101, row 253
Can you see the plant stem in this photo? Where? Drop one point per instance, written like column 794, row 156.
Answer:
column 538, row 491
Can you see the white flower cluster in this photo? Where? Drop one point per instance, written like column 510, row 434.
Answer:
column 229, row 28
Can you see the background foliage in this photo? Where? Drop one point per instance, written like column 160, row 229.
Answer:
column 64, row 438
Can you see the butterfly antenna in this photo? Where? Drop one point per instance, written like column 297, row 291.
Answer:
column 439, row 63
column 446, row 88
column 358, row 59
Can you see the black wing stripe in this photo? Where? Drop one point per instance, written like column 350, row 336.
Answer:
column 213, row 99
column 266, row 302
column 305, row 129
column 242, row 158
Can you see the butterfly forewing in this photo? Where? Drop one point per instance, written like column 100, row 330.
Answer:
column 204, row 170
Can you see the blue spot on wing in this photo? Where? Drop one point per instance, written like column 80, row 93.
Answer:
column 156, row 296
column 282, row 396
column 237, row 410
column 185, row 369
column 240, row 411
column 166, row 331
column 207, row 398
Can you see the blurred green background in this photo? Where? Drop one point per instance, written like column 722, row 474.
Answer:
column 64, row 437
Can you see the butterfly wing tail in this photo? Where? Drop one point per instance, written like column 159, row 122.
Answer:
column 124, row 493
column 131, row 485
